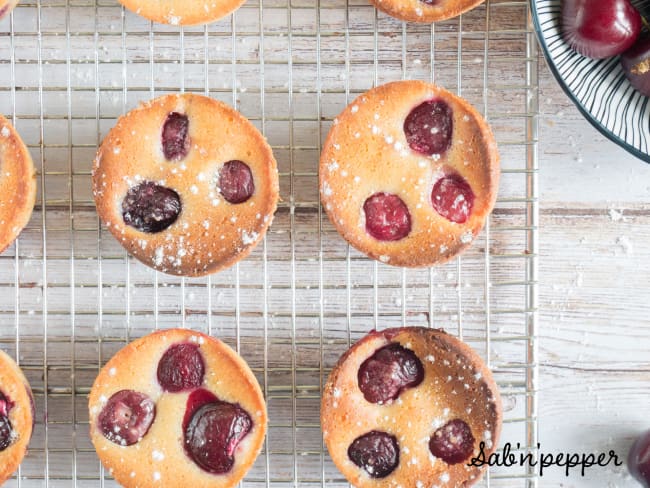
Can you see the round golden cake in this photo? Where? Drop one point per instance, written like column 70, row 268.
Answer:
column 425, row 11
column 177, row 408
column 17, row 184
column 16, row 416
column 410, row 407
column 186, row 184
column 182, row 12
column 409, row 173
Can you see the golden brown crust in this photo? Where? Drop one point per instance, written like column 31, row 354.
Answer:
column 17, row 184
column 366, row 152
column 183, row 12
column 457, row 384
column 6, row 6
column 210, row 234
column 15, row 388
column 418, row 11
column 134, row 367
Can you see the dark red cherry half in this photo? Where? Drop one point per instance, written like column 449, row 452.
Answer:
column 6, row 431
column 387, row 217
column 5, row 405
column 236, row 182
column 453, row 442
column 197, row 399
column 181, row 368
column 377, row 453
column 429, row 127
column 126, row 417
column 213, row 430
column 388, row 372
column 175, row 136
column 453, row 198
column 151, row 208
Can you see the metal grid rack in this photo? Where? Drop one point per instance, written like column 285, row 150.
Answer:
column 70, row 296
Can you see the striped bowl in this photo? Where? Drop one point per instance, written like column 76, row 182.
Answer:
column 599, row 88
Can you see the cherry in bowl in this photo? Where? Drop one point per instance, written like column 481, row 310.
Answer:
column 636, row 64
column 600, row 29
column 638, row 460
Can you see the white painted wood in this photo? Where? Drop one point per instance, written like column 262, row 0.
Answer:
column 595, row 322
column 578, row 164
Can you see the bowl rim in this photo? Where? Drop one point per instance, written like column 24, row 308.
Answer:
column 585, row 113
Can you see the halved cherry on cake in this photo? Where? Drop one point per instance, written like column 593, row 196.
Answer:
column 5, row 405
column 6, row 430
column 175, row 136
column 388, row 372
column 376, row 452
column 453, row 442
column 149, row 207
column 181, row 368
column 387, row 217
column 236, row 182
column 126, row 417
column 429, row 127
column 453, row 198
column 212, row 430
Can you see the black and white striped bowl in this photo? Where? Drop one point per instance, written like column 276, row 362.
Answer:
column 599, row 88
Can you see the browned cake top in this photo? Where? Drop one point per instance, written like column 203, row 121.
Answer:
column 181, row 388
column 186, row 184
column 409, row 407
column 409, row 173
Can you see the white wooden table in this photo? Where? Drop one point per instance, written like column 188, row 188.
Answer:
column 595, row 307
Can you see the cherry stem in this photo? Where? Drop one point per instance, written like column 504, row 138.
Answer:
column 645, row 23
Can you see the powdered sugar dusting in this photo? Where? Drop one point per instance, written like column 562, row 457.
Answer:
column 467, row 237
column 249, row 238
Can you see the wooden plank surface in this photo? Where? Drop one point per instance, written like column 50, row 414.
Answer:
column 595, row 303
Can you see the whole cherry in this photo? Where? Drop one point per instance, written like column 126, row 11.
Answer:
column 600, row 29
column 636, row 64
column 638, row 460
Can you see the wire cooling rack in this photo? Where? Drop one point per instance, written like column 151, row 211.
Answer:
column 70, row 297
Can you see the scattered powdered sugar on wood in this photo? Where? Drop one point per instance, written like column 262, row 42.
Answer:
column 615, row 215
column 625, row 244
